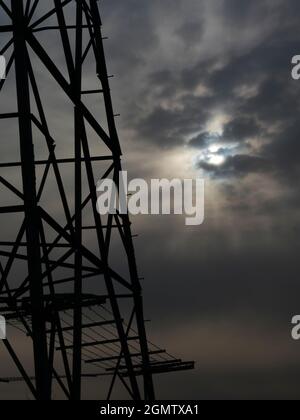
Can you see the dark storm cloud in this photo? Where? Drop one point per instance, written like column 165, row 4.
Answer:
column 237, row 165
column 169, row 127
column 191, row 32
column 203, row 140
column 275, row 101
column 169, row 109
column 176, row 110
column 285, row 147
column 237, row 130
column 133, row 33
column 240, row 129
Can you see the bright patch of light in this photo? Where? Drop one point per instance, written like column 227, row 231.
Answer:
column 216, row 124
column 214, row 148
column 216, row 160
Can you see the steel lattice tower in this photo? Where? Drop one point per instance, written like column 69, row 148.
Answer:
column 58, row 284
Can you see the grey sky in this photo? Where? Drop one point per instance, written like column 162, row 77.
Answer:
column 196, row 79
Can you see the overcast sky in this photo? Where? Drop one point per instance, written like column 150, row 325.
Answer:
column 204, row 89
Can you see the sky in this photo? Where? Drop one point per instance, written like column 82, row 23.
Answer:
column 200, row 82
column 204, row 89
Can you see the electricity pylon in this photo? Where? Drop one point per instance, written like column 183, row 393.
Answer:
column 69, row 279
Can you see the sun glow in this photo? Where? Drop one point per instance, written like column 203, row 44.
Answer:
column 216, row 160
column 214, row 148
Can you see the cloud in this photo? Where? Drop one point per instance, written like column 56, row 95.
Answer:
column 248, row 80
column 237, row 165
column 204, row 140
column 191, row 32
column 240, row 129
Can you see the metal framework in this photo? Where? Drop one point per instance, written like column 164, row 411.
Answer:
column 61, row 283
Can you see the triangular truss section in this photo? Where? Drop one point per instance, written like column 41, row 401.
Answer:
column 82, row 315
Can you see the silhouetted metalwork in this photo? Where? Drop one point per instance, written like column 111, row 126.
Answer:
column 67, row 292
